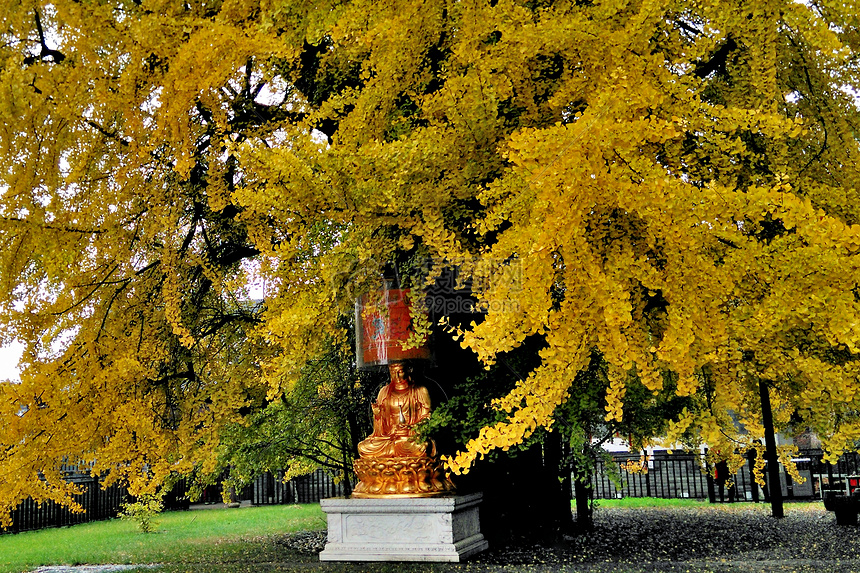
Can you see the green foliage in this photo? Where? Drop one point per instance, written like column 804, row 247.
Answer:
column 317, row 423
column 143, row 512
column 469, row 408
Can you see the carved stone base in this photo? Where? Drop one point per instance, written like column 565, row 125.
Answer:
column 429, row 529
column 401, row 477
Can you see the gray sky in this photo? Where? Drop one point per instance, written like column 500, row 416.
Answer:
column 9, row 356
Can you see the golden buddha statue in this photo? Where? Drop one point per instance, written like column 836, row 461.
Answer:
column 394, row 462
column 399, row 406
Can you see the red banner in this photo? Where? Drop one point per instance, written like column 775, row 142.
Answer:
column 383, row 325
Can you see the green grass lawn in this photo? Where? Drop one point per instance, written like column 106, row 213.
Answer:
column 183, row 536
column 642, row 502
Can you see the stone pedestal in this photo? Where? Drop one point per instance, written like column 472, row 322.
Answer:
column 403, row 529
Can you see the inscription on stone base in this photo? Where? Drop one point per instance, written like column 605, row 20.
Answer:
column 411, row 529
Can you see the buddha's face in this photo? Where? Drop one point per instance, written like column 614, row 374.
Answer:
column 398, row 375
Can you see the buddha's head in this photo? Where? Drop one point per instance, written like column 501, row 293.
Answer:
column 399, row 375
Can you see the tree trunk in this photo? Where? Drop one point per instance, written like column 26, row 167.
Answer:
column 583, row 491
column 751, row 455
column 523, row 498
column 558, row 470
column 709, row 479
column 770, row 451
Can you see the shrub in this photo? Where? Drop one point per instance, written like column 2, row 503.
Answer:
column 143, row 511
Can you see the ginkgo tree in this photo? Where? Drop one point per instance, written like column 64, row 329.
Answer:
column 668, row 184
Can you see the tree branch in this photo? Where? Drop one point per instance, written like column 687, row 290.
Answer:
column 107, row 133
column 45, row 52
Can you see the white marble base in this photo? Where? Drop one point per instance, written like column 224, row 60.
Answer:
column 403, row 529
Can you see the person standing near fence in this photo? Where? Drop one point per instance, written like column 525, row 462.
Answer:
column 722, row 477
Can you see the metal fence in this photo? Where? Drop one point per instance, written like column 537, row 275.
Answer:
column 98, row 504
column 271, row 489
column 675, row 476
column 319, row 485
column 685, row 475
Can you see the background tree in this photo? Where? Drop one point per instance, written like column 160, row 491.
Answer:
column 317, row 424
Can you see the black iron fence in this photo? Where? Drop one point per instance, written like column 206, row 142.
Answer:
column 319, row 485
column 271, row 489
column 98, row 504
column 667, row 476
column 685, row 475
